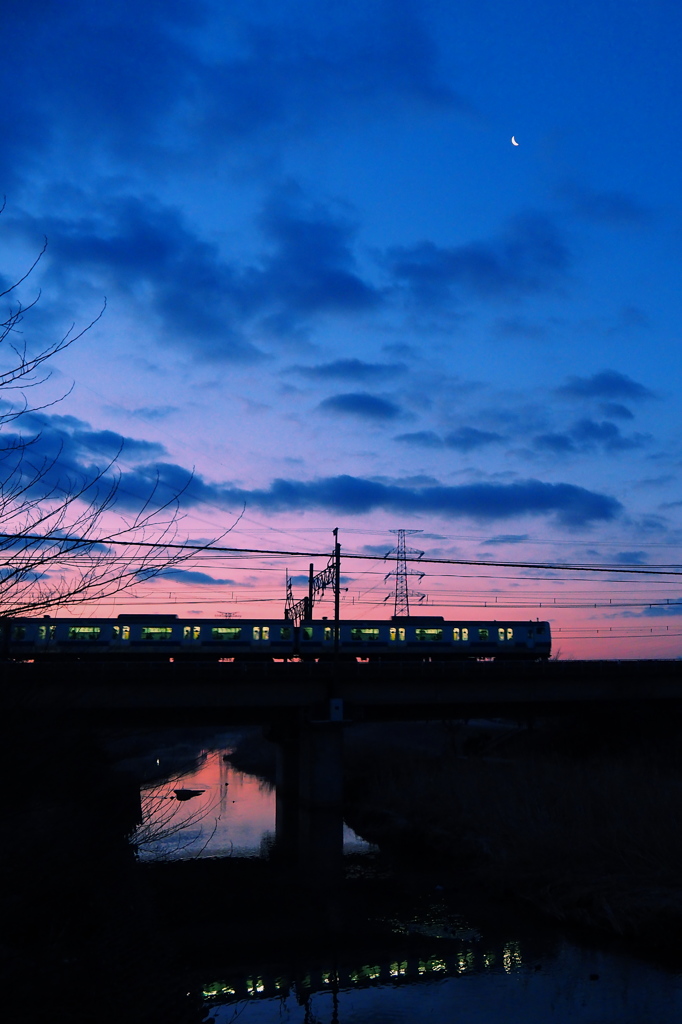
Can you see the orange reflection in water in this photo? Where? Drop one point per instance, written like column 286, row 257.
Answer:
column 233, row 814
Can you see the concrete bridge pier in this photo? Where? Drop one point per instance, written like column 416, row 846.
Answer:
column 309, row 816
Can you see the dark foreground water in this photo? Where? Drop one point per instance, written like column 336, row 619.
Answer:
column 577, row 985
column 437, row 961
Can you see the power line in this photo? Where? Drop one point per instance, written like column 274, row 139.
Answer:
column 652, row 570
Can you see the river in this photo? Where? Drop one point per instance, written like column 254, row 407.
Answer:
column 444, row 958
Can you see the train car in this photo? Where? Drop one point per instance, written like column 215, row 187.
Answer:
column 425, row 638
column 160, row 637
column 150, row 637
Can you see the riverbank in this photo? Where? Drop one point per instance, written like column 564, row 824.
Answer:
column 578, row 819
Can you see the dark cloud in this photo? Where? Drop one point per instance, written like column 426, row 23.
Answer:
column 617, row 411
column 589, row 435
column 465, row 439
column 192, row 576
column 202, row 301
column 152, row 412
column 507, row 538
column 607, row 384
column 572, row 506
column 350, row 369
column 613, row 208
column 311, row 268
column 369, row 407
column 422, row 439
column 147, row 83
column 560, row 444
column 529, row 257
column 66, row 455
column 74, row 437
column 631, row 558
column 661, row 611
column 300, row 68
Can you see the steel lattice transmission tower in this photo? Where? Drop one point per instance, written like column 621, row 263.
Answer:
column 401, row 572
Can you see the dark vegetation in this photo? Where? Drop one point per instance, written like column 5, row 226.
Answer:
column 579, row 818
column 81, row 940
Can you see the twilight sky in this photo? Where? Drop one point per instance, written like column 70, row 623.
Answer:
column 339, row 293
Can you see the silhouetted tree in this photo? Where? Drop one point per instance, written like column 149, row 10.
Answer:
column 62, row 539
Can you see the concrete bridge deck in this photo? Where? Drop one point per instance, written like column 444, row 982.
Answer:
column 263, row 691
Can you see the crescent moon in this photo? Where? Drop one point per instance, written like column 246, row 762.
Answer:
column 514, row 142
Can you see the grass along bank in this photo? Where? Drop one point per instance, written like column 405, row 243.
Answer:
column 582, row 822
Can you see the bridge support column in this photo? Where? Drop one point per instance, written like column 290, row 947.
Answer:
column 309, row 782
column 321, row 802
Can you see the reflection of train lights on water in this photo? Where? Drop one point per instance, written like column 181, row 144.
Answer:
column 418, row 638
column 261, row 985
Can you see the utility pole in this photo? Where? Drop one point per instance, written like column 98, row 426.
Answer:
column 337, row 590
column 401, row 572
column 302, row 611
column 311, row 586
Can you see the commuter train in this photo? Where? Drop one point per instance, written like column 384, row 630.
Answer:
column 160, row 637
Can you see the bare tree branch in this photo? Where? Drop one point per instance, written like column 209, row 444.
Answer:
column 55, row 531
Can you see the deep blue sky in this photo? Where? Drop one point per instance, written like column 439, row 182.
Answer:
column 337, row 290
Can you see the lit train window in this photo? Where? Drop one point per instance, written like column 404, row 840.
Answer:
column 285, row 633
column 455, row 632
column 328, row 633
column 429, row 634
column 500, row 633
column 307, row 632
column 157, row 632
column 46, row 632
column 483, row 634
column 261, row 632
column 121, row 632
column 191, row 632
column 397, row 634
column 226, row 632
column 510, row 633
column 82, row 632
column 465, row 632
column 361, row 633
column 18, row 632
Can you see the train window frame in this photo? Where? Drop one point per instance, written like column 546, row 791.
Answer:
column 228, row 634
column 84, row 633
column 428, row 635
column 156, row 634
column 483, row 633
column 191, row 632
column 46, row 633
column 465, row 633
column 260, row 633
column 365, row 634
column 510, row 633
column 501, row 635
column 396, row 633
column 455, row 634
column 121, row 633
